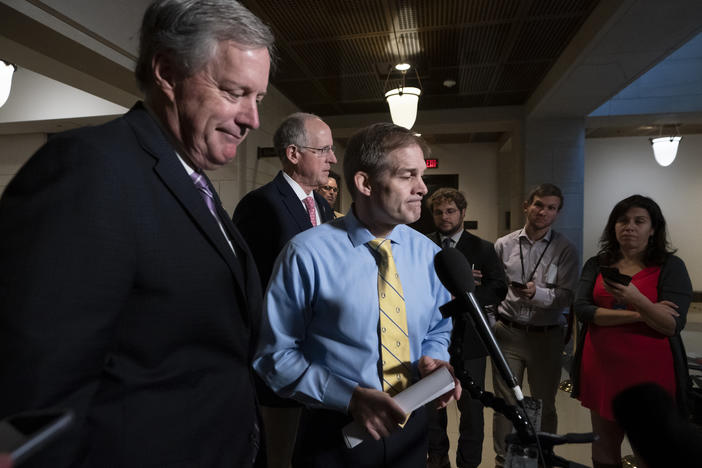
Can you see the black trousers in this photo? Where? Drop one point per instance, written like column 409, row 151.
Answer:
column 471, row 427
column 321, row 445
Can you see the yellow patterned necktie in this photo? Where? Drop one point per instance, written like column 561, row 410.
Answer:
column 394, row 338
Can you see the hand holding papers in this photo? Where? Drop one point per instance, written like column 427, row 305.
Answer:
column 429, row 388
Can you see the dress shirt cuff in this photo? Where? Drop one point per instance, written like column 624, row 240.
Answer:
column 338, row 393
column 542, row 297
column 435, row 350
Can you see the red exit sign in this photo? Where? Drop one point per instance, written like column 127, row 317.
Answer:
column 432, row 163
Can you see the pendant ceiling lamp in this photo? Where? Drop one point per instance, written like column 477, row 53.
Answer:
column 403, row 100
column 665, row 148
column 6, row 72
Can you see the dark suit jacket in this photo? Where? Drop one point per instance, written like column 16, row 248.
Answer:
column 481, row 253
column 270, row 216
column 120, row 299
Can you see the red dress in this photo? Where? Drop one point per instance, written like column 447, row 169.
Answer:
column 617, row 357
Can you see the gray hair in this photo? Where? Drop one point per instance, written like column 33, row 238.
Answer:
column 368, row 150
column 291, row 132
column 190, row 30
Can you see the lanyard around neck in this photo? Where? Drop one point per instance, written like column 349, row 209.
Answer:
column 521, row 258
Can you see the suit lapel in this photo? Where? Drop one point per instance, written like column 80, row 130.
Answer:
column 463, row 241
column 325, row 212
column 172, row 173
column 466, row 244
column 292, row 203
column 238, row 265
column 434, row 236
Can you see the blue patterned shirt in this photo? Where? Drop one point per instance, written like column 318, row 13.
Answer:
column 319, row 337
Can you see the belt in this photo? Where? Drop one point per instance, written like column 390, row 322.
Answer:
column 525, row 326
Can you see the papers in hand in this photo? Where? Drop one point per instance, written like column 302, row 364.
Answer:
column 429, row 388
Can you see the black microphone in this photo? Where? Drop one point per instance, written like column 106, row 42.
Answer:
column 455, row 274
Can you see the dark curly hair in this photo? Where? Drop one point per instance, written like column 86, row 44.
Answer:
column 658, row 247
column 447, row 194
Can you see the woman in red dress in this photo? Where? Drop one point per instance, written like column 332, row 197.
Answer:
column 630, row 332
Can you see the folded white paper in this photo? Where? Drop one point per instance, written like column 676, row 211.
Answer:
column 429, row 388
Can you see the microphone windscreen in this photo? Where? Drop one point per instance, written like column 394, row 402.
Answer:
column 453, row 270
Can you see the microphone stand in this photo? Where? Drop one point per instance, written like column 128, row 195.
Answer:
column 524, row 443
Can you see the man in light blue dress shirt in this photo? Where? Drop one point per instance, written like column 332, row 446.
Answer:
column 319, row 342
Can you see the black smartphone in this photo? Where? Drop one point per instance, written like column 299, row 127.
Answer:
column 23, row 434
column 517, row 285
column 612, row 275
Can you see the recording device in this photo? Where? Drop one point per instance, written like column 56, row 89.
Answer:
column 612, row 275
column 455, row 274
column 527, row 447
column 517, row 285
column 23, row 434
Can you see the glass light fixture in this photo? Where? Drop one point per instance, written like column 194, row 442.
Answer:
column 403, row 105
column 403, row 100
column 665, row 149
column 6, row 71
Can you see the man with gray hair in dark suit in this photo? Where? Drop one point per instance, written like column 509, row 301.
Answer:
column 268, row 218
column 126, row 293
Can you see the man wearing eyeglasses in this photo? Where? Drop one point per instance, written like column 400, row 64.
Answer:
column 268, row 218
column 448, row 208
column 330, row 191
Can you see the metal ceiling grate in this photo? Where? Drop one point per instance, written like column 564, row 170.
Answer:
column 334, row 53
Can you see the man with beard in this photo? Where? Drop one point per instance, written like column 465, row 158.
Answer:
column 448, row 208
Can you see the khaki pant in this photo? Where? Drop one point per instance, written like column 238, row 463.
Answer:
column 540, row 353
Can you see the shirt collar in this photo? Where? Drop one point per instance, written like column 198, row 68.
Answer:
column 296, row 187
column 455, row 237
column 546, row 238
column 360, row 235
column 188, row 169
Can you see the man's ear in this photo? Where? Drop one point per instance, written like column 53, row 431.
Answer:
column 362, row 182
column 164, row 75
column 525, row 205
column 292, row 155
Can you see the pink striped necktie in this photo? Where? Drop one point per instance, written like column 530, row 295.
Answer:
column 309, row 203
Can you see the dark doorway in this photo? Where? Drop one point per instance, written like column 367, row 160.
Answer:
column 425, row 224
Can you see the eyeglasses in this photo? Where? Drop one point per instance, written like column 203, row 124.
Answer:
column 329, row 188
column 324, row 150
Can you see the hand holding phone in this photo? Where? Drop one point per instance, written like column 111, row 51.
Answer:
column 517, row 285
column 612, row 275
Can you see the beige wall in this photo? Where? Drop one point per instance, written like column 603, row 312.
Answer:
column 476, row 166
column 618, row 167
column 232, row 181
column 614, row 168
